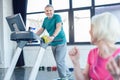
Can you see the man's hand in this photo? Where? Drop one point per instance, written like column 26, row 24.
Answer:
column 51, row 38
column 47, row 39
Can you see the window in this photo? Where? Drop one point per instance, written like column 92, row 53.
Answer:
column 76, row 15
column 60, row 4
column 36, row 5
column 35, row 21
column 82, row 25
column 81, row 3
column 102, row 2
column 112, row 9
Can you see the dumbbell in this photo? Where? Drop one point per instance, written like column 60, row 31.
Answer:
column 41, row 68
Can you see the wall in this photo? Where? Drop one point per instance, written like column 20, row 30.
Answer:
column 6, row 46
column 30, row 55
column 48, row 59
column 9, row 46
column 1, row 30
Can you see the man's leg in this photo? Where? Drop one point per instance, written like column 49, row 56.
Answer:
column 59, row 53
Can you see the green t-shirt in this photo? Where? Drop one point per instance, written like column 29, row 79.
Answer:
column 50, row 26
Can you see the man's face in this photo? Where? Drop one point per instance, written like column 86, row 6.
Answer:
column 49, row 11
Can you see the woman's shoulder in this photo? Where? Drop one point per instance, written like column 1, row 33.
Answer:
column 93, row 53
column 94, row 50
column 92, row 56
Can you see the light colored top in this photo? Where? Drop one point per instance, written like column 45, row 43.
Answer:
column 97, row 70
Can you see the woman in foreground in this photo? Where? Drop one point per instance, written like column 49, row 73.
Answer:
column 101, row 64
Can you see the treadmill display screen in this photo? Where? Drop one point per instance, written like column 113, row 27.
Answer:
column 16, row 23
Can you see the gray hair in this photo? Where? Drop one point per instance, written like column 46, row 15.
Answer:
column 49, row 5
column 106, row 26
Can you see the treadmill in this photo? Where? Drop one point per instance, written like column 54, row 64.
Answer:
column 22, row 37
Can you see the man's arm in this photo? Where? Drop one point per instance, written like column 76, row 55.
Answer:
column 58, row 29
column 40, row 31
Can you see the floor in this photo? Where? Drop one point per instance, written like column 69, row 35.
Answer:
column 23, row 74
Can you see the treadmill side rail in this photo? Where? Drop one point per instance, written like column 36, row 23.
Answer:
column 35, row 68
column 10, row 70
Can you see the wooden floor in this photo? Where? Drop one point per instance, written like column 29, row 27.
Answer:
column 23, row 74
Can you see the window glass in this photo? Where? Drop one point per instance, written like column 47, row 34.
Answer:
column 36, row 5
column 114, row 8
column 81, row 3
column 35, row 21
column 101, row 2
column 82, row 26
column 60, row 4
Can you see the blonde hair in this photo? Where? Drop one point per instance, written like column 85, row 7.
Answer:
column 106, row 26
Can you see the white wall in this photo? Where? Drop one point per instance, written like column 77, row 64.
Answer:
column 6, row 46
column 1, row 30
column 30, row 55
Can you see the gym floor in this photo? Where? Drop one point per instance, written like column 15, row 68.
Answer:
column 23, row 74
